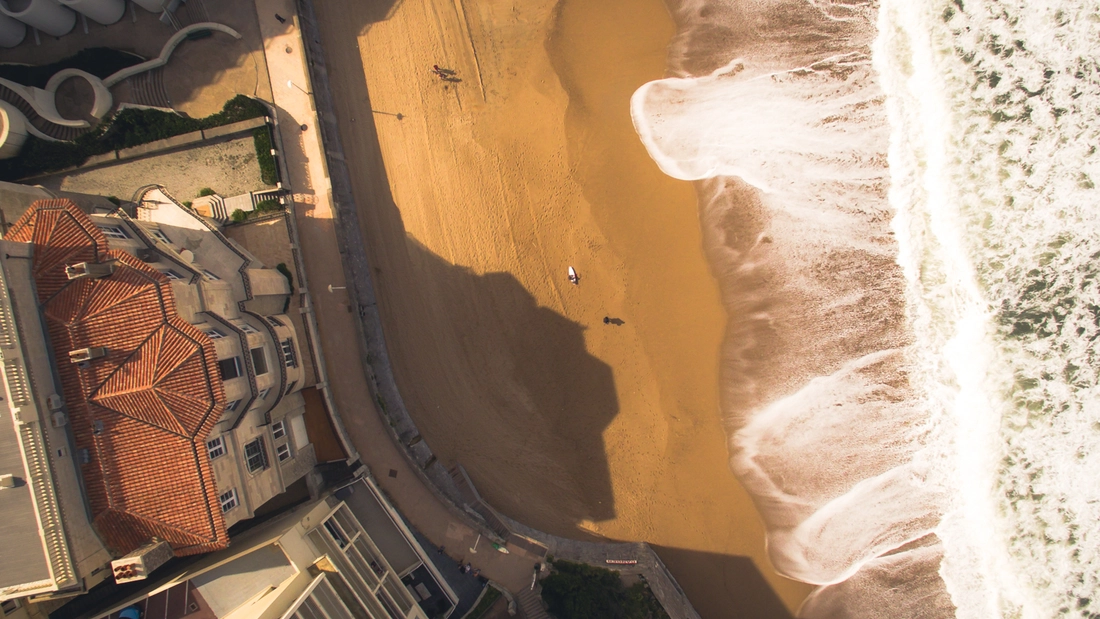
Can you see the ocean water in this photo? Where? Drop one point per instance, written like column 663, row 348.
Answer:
column 898, row 201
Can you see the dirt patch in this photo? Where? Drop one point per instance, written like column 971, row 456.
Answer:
column 229, row 168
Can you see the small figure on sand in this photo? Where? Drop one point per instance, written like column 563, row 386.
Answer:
column 573, row 277
column 606, row 320
column 282, row 20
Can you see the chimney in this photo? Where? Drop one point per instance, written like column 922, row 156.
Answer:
column 87, row 354
column 90, row 269
column 140, row 563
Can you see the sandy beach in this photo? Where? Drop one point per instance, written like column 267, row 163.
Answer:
column 475, row 195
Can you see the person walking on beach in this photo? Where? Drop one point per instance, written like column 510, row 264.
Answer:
column 606, row 320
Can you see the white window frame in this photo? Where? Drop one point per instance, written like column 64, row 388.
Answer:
column 232, row 406
column 262, row 455
column 159, row 235
column 282, row 451
column 210, row 276
column 215, row 447
column 237, row 362
column 228, row 500
column 289, row 357
column 247, row 328
column 278, row 429
column 263, row 393
column 111, row 231
column 213, row 333
column 263, row 355
column 10, row 606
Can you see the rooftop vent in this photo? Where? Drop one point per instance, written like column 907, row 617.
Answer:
column 87, row 354
column 7, row 481
column 90, row 269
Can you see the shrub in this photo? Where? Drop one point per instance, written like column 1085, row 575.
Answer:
column 130, row 127
column 579, row 591
column 268, row 205
column 269, row 172
column 99, row 61
column 239, row 216
column 206, row 191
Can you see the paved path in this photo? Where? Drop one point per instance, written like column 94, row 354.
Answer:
column 314, row 213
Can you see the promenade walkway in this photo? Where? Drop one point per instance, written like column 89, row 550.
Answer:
column 315, row 216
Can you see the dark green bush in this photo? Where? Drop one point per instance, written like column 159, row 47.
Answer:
column 579, row 591
column 239, row 216
column 130, row 127
column 99, row 61
column 206, row 191
column 269, row 173
column 268, row 205
column 282, row 268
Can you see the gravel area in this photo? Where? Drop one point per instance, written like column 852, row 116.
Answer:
column 228, row 167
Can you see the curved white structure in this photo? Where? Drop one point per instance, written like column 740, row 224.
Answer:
column 13, row 130
column 105, row 12
column 103, row 99
column 155, row 6
column 46, row 15
column 12, row 31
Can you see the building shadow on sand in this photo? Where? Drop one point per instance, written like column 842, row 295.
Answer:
column 493, row 380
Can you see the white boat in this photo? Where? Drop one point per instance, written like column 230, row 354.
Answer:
column 573, row 277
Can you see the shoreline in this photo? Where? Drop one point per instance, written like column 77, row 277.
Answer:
column 434, row 266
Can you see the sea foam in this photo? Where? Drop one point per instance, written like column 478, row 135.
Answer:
column 910, row 373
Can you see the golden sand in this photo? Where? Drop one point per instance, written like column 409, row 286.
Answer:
column 475, row 195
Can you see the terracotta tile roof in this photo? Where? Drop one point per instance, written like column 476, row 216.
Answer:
column 145, row 410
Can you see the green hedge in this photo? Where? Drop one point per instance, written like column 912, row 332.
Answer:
column 269, row 173
column 130, row 127
column 99, row 61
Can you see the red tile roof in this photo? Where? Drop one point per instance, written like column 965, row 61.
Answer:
column 145, row 410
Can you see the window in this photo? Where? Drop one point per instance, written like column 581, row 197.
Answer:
column 259, row 360
column 283, row 452
column 278, row 429
column 10, row 606
column 113, row 232
column 228, row 499
column 172, row 275
column 263, row 393
column 290, row 387
column 255, row 455
column 288, row 353
column 213, row 333
column 275, row 321
column 335, row 533
column 160, row 236
column 247, row 328
column 210, row 275
column 230, row 368
column 232, row 406
column 215, row 447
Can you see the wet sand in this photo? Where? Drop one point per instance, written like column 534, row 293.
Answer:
column 475, row 195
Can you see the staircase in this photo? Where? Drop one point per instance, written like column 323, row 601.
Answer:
column 54, row 130
column 530, row 602
column 476, row 503
column 148, row 89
